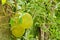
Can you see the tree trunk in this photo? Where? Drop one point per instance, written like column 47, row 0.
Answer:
column 39, row 34
column 46, row 36
column 4, row 28
column 4, row 25
column 42, row 34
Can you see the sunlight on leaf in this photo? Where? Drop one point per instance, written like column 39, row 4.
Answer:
column 3, row 2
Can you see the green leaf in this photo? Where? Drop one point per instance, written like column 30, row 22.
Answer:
column 3, row 2
column 57, row 0
column 11, row 21
column 14, row 9
column 58, row 21
column 20, row 20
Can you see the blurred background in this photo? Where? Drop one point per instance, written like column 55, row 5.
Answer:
column 45, row 15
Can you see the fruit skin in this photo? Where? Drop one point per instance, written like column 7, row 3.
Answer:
column 18, row 31
column 27, row 21
column 20, row 23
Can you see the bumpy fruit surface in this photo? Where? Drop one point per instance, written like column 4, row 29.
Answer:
column 19, row 23
column 18, row 31
column 27, row 21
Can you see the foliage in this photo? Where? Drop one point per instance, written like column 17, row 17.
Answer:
column 45, row 13
column 3, row 2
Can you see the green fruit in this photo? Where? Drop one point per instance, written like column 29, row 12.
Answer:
column 27, row 21
column 17, row 31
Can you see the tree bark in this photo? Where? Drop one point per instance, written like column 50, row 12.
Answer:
column 4, row 28
column 39, row 34
column 46, row 36
column 4, row 25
